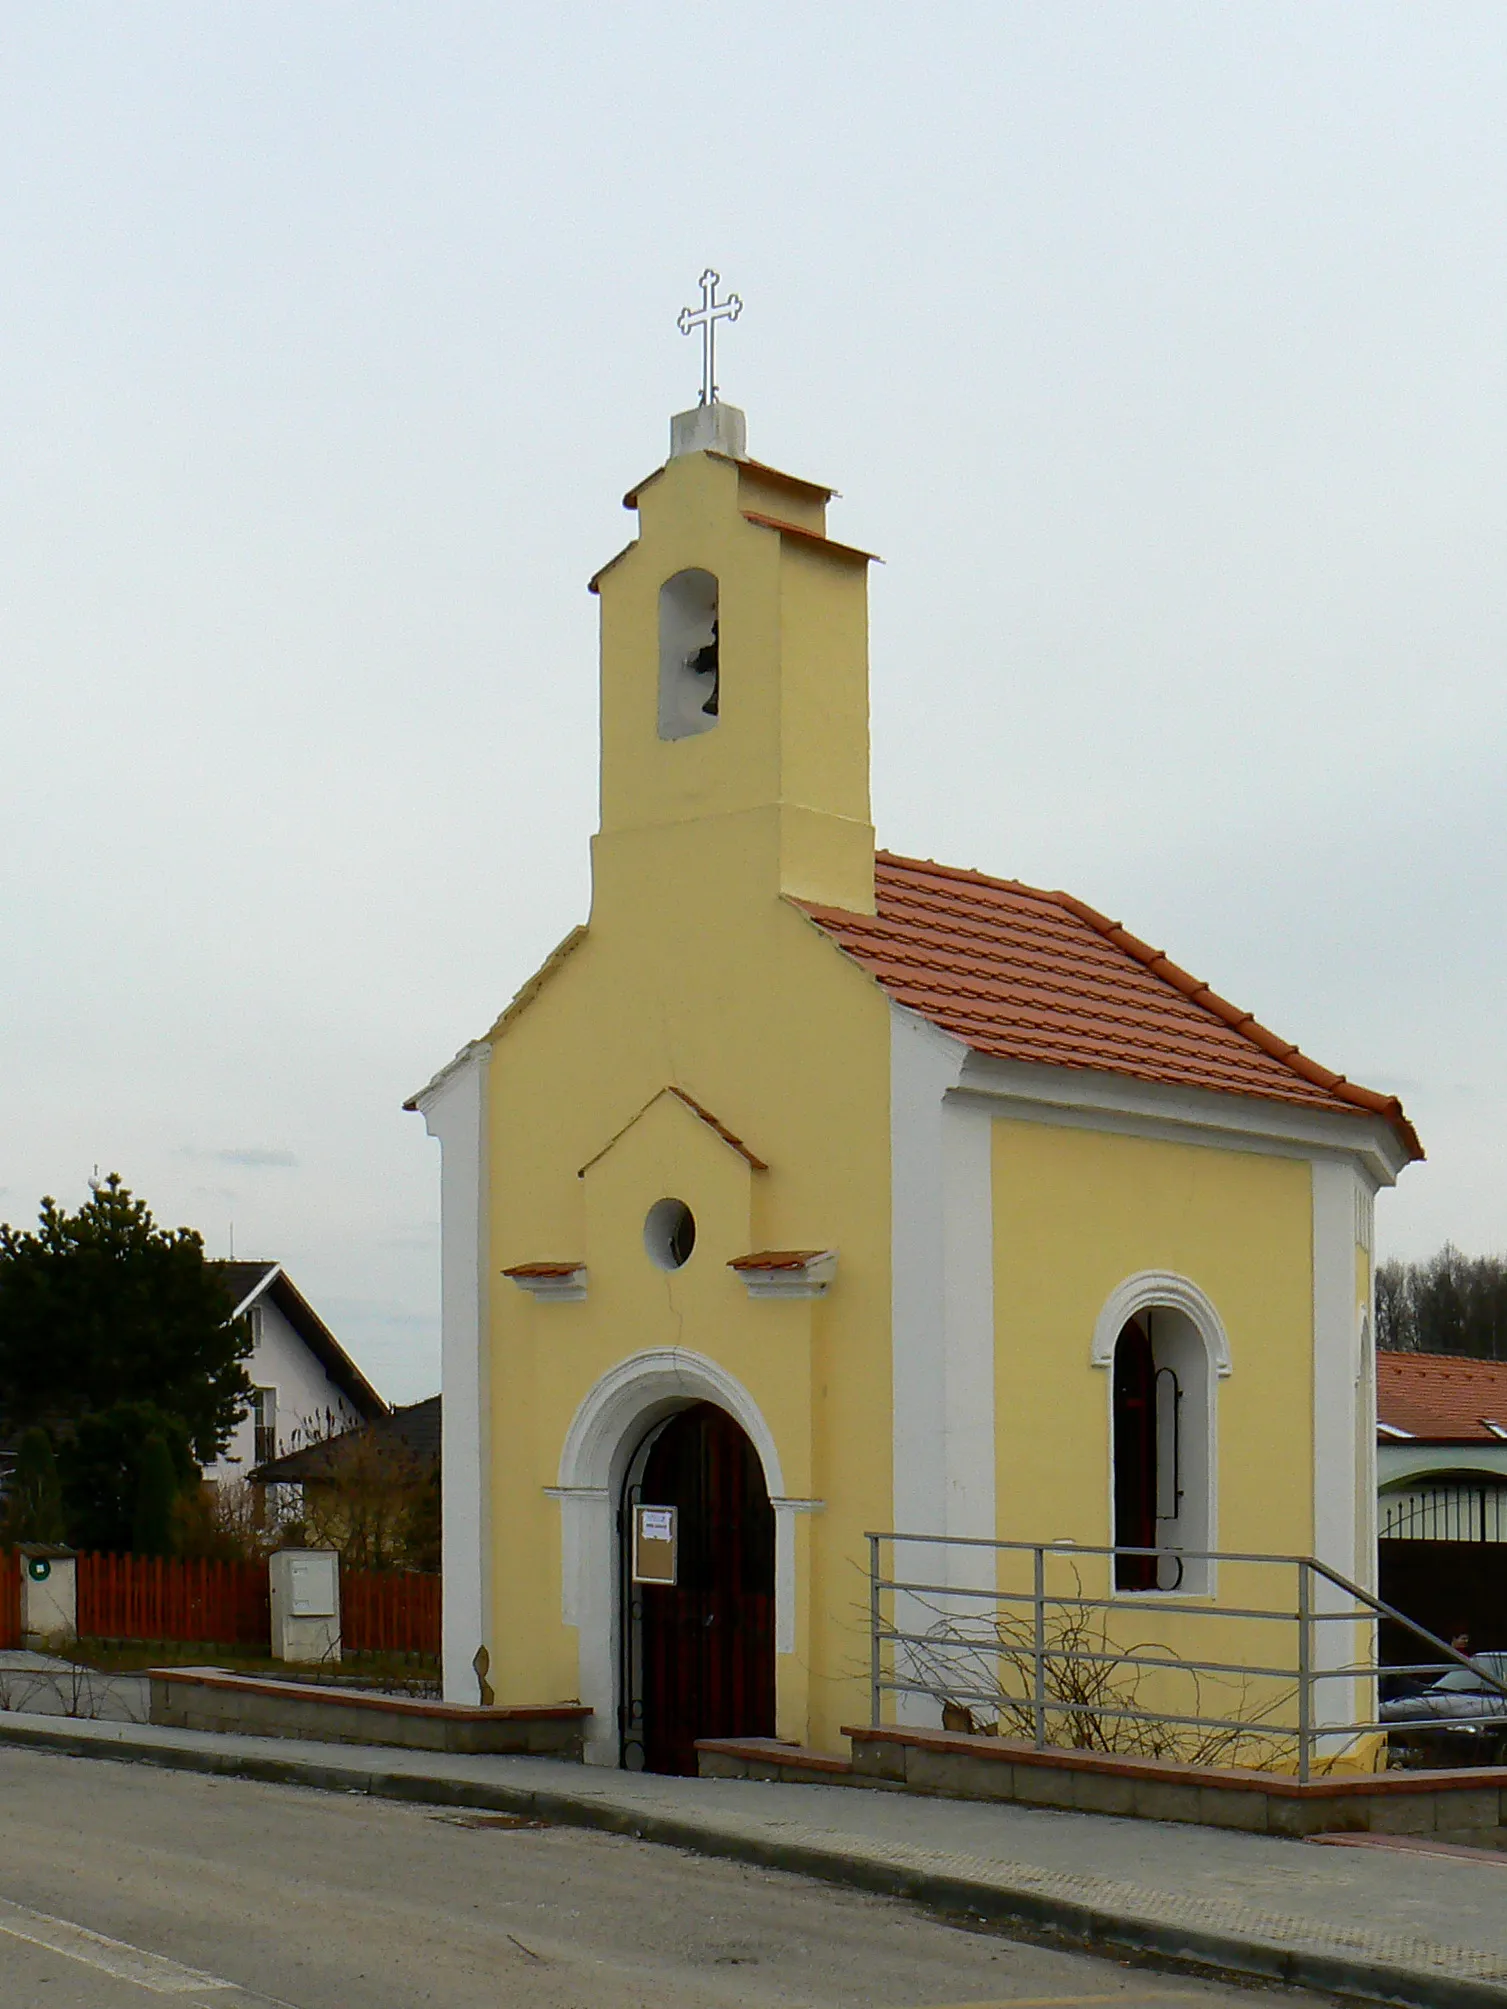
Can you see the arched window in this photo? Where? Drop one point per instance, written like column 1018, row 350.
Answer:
column 1135, row 1458
column 690, row 672
column 1162, row 1435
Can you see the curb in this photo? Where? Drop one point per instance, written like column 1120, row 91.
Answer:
column 1082, row 1927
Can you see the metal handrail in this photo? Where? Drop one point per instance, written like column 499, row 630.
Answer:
column 1304, row 1613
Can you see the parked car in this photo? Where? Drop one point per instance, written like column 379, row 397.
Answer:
column 1462, row 1715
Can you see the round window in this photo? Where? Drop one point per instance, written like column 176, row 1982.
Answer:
column 670, row 1233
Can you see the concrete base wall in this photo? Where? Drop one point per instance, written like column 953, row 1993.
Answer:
column 191, row 1699
column 1460, row 1805
column 988, row 1768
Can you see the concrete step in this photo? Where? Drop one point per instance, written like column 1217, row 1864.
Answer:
column 771, row 1758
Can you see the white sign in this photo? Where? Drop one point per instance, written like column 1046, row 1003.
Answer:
column 657, row 1524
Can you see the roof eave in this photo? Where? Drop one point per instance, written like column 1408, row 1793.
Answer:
column 1305, row 1128
column 327, row 1350
column 468, row 1055
column 270, row 1276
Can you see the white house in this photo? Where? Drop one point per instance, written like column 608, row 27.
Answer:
column 305, row 1383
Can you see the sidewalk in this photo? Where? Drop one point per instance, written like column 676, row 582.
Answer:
column 1379, row 1923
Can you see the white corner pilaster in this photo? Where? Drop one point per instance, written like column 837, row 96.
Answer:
column 942, row 1310
column 1341, row 1463
column 454, row 1108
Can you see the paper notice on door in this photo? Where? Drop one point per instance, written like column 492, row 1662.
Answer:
column 654, row 1545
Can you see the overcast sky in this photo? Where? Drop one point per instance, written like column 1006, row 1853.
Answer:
column 1161, row 349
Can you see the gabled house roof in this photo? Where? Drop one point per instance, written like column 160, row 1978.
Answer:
column 1038, row 976
column 415, row 1429
column 1442, row 1398
column 248, row 1284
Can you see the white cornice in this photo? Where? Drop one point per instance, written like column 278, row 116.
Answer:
column 811, row 1278
column 1084, row 1099
column 470, row 1055
column 557, row 1287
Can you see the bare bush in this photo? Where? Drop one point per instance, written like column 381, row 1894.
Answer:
column 375, row 1501
column 981, row 1670
column 27, row 1691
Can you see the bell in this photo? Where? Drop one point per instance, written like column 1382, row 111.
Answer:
column 704, row 664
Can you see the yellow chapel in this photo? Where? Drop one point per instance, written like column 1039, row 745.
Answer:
column 809, row 1192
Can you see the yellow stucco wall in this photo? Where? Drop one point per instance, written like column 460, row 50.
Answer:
column 1076, row 1212
column 697, row 971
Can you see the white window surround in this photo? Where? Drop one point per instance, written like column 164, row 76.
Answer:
column 605, row 1432
column 1150, row 1290
column 1196, row 1344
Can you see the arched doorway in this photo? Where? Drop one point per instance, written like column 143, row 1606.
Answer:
column 698, row 1655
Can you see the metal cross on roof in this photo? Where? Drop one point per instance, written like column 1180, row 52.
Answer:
column 705, row 317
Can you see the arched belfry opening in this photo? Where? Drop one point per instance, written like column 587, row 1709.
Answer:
column 690, row 671
column 698, row 1652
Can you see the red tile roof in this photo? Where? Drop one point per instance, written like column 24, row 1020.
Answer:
column 777, row 1259
column 1441, row 1397
column 1036, row 976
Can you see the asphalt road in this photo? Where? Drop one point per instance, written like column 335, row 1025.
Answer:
column 123, row 1885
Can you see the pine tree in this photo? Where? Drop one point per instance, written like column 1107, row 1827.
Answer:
column 104, row 1307
column 154, row 1531
column 34, row 1511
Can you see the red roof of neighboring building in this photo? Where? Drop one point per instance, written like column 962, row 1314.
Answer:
column 1037, row 976
column 1442, row 1397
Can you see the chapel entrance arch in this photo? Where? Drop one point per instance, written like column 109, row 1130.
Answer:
column 698, row 1656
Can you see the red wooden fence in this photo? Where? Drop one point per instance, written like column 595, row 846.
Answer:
column 394, row 1611
column 147, row 1597
column 10, row 1599
column 226, row 1604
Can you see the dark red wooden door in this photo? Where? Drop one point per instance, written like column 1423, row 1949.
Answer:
column 708, row 1642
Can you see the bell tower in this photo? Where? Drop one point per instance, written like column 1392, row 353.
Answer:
column 734, row 680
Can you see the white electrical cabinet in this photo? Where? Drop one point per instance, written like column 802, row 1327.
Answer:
column 305, row 1588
